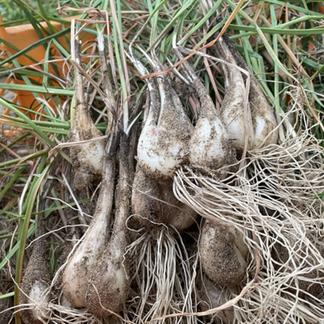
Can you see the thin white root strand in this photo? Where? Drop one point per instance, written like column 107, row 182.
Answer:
column 165, row 277
column 273, row 201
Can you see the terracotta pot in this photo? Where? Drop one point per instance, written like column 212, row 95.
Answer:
column 23, row 36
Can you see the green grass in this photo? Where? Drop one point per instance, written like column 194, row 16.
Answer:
column 261, row 42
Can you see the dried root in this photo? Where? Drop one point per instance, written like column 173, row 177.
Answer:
column 265, row 202
column 164, row 278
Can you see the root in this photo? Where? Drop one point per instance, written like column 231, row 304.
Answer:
column 212, row 296
column 237, row 204
column 273, row 201
column 57, row 313
column 164, row 278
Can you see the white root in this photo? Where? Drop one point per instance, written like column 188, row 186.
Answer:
column 223, row 254
column 86, row 254
column 165, row 278
column 209, row 144
column 108, row 285
column 275, row 206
